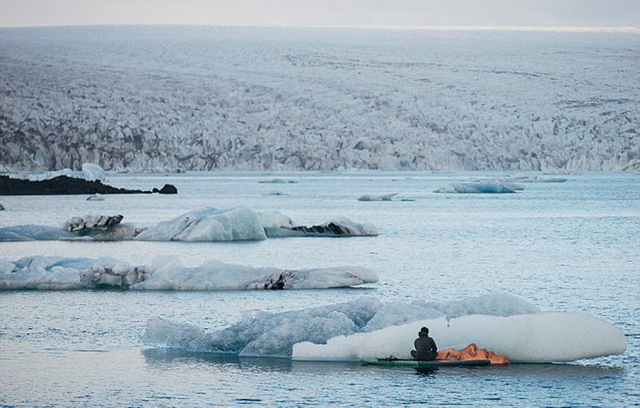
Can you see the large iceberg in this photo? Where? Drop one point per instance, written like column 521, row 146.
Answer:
column 368, row 328
column 238, row 224
column 531, row 338
column 167, row 273
column 208, row 225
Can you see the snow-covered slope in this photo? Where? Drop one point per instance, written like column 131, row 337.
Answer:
column 198, row 98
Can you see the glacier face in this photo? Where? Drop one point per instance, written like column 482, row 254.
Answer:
column 203, row 98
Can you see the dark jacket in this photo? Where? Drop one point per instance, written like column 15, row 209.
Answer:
column 426, row 348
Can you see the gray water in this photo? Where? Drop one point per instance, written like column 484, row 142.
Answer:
column 570, row 246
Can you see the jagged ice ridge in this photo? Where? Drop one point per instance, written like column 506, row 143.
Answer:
column 203, row 98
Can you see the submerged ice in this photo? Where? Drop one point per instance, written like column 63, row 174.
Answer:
column 167, row 273
column 368, row 328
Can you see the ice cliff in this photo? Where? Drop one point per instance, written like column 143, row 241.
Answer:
column 199, row 98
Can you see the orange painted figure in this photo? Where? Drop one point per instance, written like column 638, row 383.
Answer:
column 472, row 352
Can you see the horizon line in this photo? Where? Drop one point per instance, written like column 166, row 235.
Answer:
column 517, row 28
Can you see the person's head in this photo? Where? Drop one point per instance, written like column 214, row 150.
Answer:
column 423, row 332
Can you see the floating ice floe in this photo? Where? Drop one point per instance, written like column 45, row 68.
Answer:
column 167, row 273
column 277, row 181
column 368, row 328
column 95, row 197
column 92, row 221
column 338, row 227
column 369, row 197
column 477, row 188
column 238, row 224
column 536, row 179
column 208, row 225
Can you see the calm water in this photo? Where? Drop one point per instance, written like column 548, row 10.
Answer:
column 570, row 246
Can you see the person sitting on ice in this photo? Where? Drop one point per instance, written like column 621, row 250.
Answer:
column 426, row 348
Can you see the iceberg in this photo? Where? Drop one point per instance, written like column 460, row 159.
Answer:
column 367, row 328
column 530, row 338
column 477, row 188
column 266, row 334
column 167, row 273
column 369, row 197
column 92, row 221
column 55, row 273
column 237, row 224
column 338, row 227
column 215, row 275
column 277, row 181
column 208, row 225
column 95, row 197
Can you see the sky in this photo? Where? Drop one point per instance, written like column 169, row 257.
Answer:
column 324, row 13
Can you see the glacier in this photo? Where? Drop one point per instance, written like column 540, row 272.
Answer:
column 206, row 225
column 168, row 273
column 368, row 328
column 206, row 98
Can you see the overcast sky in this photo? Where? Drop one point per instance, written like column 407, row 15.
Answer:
column 323, row 13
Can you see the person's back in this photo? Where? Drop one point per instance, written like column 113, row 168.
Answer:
column 426, row 348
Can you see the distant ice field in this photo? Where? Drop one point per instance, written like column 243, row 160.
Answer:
column 569, row 247
column 205, row 98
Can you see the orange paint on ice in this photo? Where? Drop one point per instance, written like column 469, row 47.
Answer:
column 472, row 352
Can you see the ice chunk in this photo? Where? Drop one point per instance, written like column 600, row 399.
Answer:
column 54, row 273
column 367, row 328
column 95, row 197
column 237, row 224
column 477, row 188
column 33, row 233
column 274, row 219
column 528, row 338
column 338, row 227
column 92, row 172
column 267, row 334
column 369, row 197
column 92, row 221
column 277, row 181
column 214, row 275
column 167, row 273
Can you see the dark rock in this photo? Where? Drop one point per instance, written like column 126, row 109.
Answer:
column 168, row 189
column 63, row 185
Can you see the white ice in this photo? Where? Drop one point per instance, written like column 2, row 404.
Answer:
column 531, row 338
column 167, row 273
column 368, row 328
column 90, row 172
column 208, row 225
column 318, row 99
column 477, row 188
column 337, row 227
column 237, row 224
column 371, row 197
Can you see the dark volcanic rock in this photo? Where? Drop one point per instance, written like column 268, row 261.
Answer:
column 63, row 185
column 168, row 189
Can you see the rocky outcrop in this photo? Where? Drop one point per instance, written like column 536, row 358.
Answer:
column 63, row 185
